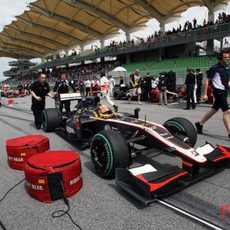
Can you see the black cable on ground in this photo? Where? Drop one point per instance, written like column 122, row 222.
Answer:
column 11, row 190
column 60, row 213
column 1, row 224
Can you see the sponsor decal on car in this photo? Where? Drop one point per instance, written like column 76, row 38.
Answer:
column 164, row 134
column 195, row 153
column 70, row 130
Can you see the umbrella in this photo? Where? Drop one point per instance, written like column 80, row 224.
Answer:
column 119, row 69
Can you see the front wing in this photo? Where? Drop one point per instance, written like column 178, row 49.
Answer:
column 153, row 180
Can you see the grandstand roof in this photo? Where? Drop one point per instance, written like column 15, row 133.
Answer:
column 51, row 25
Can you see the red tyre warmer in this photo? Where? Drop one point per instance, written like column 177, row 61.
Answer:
column 53, row 175
column 19, row 149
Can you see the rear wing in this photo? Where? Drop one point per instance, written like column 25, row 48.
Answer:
column 67, row 97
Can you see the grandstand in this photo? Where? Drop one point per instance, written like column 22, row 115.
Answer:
column 179, row 65
column 53, row 27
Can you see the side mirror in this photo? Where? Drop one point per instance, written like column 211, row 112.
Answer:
column 136, row 112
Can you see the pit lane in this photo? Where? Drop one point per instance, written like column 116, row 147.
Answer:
column 100, row 204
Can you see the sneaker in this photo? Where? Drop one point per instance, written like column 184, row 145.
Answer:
column 139, row 103
column 199, row 127
column 38, row 126
column 229, row 136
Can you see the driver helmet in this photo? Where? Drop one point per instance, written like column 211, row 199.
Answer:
column 105, row 112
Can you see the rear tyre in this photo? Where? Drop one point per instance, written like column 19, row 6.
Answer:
column 109, row 151
column 116, row 95
column 51, row 119
column 182, row 126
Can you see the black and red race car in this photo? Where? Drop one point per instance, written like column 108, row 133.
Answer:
column 126, row 147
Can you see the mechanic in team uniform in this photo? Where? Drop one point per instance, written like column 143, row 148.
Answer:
column 199, row 80
column 219, row 76
column 62, row 86
column 39, row 90
column 162, row 88
column 190, row 83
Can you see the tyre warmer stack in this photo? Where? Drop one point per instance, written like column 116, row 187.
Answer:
column 53, row 175
column 49, row 175
column 21, row 148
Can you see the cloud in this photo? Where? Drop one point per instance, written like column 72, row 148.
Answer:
column 10, row 9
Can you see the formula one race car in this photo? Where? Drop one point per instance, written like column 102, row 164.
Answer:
column 126, row 147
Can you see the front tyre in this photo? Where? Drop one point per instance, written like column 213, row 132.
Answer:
column 109, row 151
column 183, row 129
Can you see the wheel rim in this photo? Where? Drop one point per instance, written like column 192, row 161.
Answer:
column 101, row 156
column 115, row 95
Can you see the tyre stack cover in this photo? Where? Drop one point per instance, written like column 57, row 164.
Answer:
column 21, row 148
column 53, row 175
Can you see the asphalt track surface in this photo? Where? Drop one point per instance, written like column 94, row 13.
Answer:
column 100, row 204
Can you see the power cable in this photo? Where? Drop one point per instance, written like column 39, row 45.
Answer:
column 1, row 224
column 60, row 213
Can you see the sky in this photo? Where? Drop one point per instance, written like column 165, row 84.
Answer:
column 11, row 8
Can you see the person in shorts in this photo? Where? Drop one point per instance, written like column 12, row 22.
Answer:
column 219, row 76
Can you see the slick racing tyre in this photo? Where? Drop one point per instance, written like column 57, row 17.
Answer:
column 183, row 129
column 51, row 119
column 109, row 151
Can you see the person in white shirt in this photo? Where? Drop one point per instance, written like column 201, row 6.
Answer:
column 105, row 85
column 111, row 84
column 87, row 86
